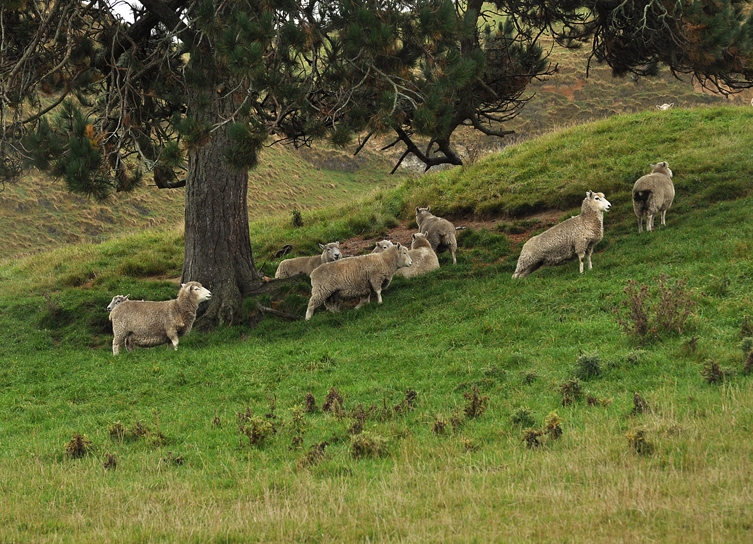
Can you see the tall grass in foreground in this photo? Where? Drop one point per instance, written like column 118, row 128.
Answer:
column 406, row 421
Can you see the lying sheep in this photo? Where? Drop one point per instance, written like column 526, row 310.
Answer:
column 440, row 232
column 423, row 256
column 653, row 193
column 117, row 299
column 146, row 323
column 355, row 277
column 561, row 243
column 306, row 265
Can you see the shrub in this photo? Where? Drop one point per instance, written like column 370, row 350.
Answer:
column 587, row 367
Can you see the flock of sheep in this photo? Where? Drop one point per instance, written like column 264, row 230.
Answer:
column 335, row 278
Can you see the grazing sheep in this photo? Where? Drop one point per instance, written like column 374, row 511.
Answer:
column 355, row 277
column 561, row 243
column 146, row 323
column 117, row 299
column 665, row 106
column 653, row 193
column 440, row 232
column 306, row 265
column 423, row 256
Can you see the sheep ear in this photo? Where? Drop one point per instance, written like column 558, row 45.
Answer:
column 128, row 295
column 321, row 246
column 416, row 209
column 588, row 194
column 413, row 236
column 399, row 246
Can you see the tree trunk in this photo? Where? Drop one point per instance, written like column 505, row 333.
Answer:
column 217, row 243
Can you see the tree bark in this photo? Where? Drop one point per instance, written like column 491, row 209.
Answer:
column 217, row 242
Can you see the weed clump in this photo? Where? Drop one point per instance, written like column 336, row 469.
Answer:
column 587, row 366
column 439, row 426
column 296, row 219
column 297, row 426
column 530, row 377
column 111, row 463
column 595, row 401
column 313, row 456
column 522, row 417
column 333, row 403
column 640, row 405
column 747, row 348
column 552, row 430
column 476, row 403
column 643, row 317
column 367, row 444
column 311, row 406
column 532, row 438
column 257, row 429
column 552, row 425
column 571, row 391
column 638, row 443
column 216, row 422
column 713, row 373
column 408, row 403
column 173, row 459
column 746, row 328
column 79, row 446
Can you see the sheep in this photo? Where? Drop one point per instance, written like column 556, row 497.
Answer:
column 561, row 243
column 146, row 323
column 305, row 265
column 665, row 106
column 355, row 277
column 423, row 256
column 117, row 299
column 440, row 232
column 653, row 193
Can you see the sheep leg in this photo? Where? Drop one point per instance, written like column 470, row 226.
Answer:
column 116, row 343
column 314, row 303
column 650, row 222
column 172, row 335
column 664, row 218
column 364, row 300
column 589, row 252
column 640, row 223
column 580, row 259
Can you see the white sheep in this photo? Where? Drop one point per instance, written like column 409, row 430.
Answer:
column 306, row 265
column 423, row 256
column 561, row 243
column 440, row 232
column 147, row 323
column 652, row 194
column 355, row 277
column 117, row 299
column 665, row 106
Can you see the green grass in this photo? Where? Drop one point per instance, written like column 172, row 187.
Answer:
column 192, row 476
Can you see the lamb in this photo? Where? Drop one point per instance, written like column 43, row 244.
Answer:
column 355, row 277
column 653, row 193
column 146, row 323
column 440, row 232
column 561, row 243
column 423, row 256
column 117, row 299
column 306, row 265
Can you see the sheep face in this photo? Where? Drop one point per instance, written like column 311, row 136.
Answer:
column 403, row 257
column 421, row 213
column 662, row 168
column 381, row 246
column 117, row 299
column 196, row 290
column 331, row 252
column 600, row 203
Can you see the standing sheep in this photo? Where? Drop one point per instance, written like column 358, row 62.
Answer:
column 439, row 232
column 423, row 256
column 306, row 265
column 146, row 323
column 561, row 243
column 355, row 277
column 653, row 193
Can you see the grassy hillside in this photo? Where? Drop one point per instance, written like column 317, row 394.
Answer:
column 38, row 214
column 471, row 407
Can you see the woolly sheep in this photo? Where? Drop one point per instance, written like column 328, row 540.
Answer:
column 561, row 243
column 665, row 106
column 653, row 193
column 355, row 277
column 423, row 256
column 146, row 323
column 117, row 299
column 439, row 232
column 306, row 265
